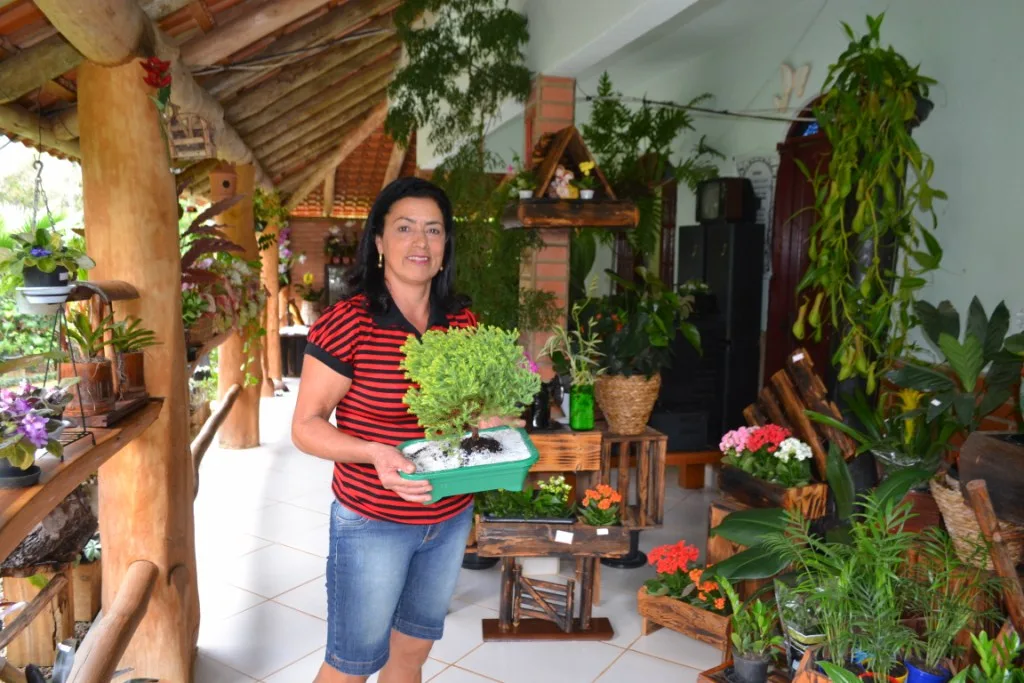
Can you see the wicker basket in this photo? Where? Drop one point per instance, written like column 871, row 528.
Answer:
column 963, row 525
column 200, row 332
column 627, row 402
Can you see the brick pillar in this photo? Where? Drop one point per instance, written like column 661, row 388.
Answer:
column 550, row 108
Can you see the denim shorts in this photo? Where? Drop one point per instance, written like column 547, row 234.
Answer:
column 383, row 576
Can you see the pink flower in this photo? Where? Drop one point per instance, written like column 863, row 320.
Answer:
column 736, row 440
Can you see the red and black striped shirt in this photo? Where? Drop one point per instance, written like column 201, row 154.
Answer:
column 366, row 348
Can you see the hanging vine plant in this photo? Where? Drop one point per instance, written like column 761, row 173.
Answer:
column 868, row 203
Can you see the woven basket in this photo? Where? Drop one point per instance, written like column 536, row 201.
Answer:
column 627, row 402
column 200, row 332
column 963, row 525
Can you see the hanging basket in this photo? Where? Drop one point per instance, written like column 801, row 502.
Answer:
column 188, row 136
column 963, row 525
column 200, row 332
column 627, row 402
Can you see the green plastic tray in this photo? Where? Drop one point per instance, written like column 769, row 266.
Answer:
column 509, row 476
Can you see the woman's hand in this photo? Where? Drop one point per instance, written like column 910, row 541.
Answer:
column 389, row 462
column 489, row 422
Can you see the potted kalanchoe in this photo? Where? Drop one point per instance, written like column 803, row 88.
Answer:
column 600, row 506
column 766, row 466
column 459, row 378
column 550, row 502
column 586, row 182
column 43, row 264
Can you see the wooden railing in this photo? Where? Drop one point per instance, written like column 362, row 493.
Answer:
column 204, row 438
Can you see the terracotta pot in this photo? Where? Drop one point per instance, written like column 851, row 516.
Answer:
column 134, row 374
column 96, row 387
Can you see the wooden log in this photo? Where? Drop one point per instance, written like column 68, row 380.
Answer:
column 1013, row 595
column 394, row 166
column 144, row 512
column 754, row 416
column 333, row 25
column 339, row 97
column 998, row 460
column 587, row 591
column 682, row 617
column 23, row 123
column 815, row 397
column 29, row 69
column 241, row 426
column 102, row 649
column 328, row 193
column 569, row 213
column 802, row 426
column 245, row 30
column 371, row 123
column 343, row 59
column 538, row 539
column 8, row 672
column 204, row 439
column 61, row 534
column 772, row 408
column 304, row 159
column 509, row 572
column 34, row 639
column 810, row 500
column 359, row 55
column 272, row 283
column 548, row 611
column 87, row 589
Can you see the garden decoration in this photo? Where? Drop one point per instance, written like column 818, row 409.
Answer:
column 754, row 636
column 867, row 205
column 459, row 377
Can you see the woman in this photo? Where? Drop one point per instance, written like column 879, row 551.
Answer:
column 394, row 559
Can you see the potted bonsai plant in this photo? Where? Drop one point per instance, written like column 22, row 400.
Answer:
column 754, row 636
column 636, row 329
column 44, row 264
column 577, row 352
column 460, row 377
column 129, row 339
column 586, row 182
column 95, row 394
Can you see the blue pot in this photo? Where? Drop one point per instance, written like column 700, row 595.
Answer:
column 916, row 675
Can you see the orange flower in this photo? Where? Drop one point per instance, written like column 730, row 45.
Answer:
column 604, row 504
column 720, row 603
column 703, row 596
column 695, row 575
column 708, row 586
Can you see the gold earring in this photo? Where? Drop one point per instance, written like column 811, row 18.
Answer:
column 380, row 260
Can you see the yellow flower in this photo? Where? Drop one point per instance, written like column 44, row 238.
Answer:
column 910, row 399
column 307, row 279
column 586, row 167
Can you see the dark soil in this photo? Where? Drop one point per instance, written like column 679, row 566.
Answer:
column 480, row 444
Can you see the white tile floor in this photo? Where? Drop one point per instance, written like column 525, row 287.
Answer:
column 261, row 538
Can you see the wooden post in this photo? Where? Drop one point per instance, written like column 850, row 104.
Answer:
column 272, row 376
column 145, row 495
column 241, row 429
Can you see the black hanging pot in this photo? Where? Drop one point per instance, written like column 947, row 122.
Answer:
column 34, row 277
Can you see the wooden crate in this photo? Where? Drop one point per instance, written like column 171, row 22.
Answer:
column 87, row 590
column 640, row 457
column 719, row 674
column 538, row 539
column 810, row 500
column 682, row 617
column 807, row 672
column 37, row 644
column 567, row 451
column 720, row 549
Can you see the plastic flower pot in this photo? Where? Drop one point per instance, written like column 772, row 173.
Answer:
column 586, row 194
column 35, row 278
column 12, row 477
column 526, row 194
column 749, row 669
column 509, row 476
column 915, row 674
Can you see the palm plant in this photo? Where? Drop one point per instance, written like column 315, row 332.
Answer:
column 127, row 336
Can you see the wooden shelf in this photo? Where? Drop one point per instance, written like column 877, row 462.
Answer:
column 535, row 214
column 22, row 509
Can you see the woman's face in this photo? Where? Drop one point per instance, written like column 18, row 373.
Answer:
column 413, row 240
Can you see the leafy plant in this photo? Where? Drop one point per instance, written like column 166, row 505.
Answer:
column 983, row 369
column 266, row 210
column 876, row 184
column 462, row 375
column 769, row 453
column 549, row 500
column 199, row 239
column 42, row 248
column 21, row 333
column 574, row 351
column 128, row 336
column 754, row 625
column 678, row 580
column 637, row 326
column 997, row 660
column 600, row 506
column 89, row 339
column 92, row 550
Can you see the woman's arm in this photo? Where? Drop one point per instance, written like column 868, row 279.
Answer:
column 320, row 391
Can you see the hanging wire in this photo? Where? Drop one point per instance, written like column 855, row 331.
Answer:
column 700, row 110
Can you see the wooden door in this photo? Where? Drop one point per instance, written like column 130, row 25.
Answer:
column 791, row 225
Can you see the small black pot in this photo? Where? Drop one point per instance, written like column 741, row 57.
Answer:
column 36, row 278
column 744, row 670
column 475, row 562
column 12, row 477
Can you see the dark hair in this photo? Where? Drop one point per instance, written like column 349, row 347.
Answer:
column 368, row 279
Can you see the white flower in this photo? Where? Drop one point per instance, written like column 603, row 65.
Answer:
column 793, row 448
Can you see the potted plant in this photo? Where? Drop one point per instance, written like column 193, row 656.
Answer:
column 754, row 636
column 636, row 329
column 339, row 247
column 549, row 502
column 311, row 299
column 684, row 597
column 523, row 180
column 95, row 393
column 129, row 339
column 29, row 421
column 586, row 182
column 767, row 466
column 577, row 352
column 998, row 660
column 460, row 377
column 44, row 264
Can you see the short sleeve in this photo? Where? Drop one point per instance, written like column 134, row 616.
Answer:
column 333, row 338
column 471, row 319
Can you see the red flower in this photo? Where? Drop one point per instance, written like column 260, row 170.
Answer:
column 769, row 435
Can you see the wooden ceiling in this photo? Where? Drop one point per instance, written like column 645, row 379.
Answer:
column 302, row 82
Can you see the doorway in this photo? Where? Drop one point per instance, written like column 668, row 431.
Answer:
column 791, row 224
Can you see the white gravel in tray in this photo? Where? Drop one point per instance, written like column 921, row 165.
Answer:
column 428, row 456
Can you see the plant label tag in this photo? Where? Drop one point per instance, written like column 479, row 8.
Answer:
column 797, row 357
column 563, row 537
column 602, row 532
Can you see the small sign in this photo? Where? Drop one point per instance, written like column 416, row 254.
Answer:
column 563, row 537
column 602, row 532
column 797, row 357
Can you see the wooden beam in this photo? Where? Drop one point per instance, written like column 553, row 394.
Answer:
column 341, row 62
column 261, row 116
column 158, row 9
column 394, row 164
column 29, row 69
column 272, row 345
column 329, row 192
column 12, row 628
column 23, row 123
column 302, row 159
column 311, row 136
column 370, row 79
column 235, row 35
column 65, row 124
column 337, row 23
column 103, row 647
column 115, row 31
column 372, row 122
